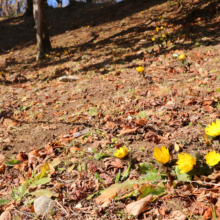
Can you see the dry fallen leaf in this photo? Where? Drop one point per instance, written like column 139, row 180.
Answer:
column 207, row 214
column 127, row 131
column 117, row 163
column 177, row 147
column 2, row 167
column 6, row 215
column 136, row 208
column 2, row 157
column 176, row 215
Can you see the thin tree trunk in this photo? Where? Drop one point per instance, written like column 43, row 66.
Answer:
column 43, row 40
column 29, row 8
column 59, row 3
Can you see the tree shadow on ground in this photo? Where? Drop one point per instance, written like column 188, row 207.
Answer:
column 193, row 24
column 19, row 32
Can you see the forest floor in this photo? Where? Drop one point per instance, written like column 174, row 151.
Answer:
column 58, row 136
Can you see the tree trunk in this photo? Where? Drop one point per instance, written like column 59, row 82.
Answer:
column 43, row 40
column 29, row 8
column 59, row 3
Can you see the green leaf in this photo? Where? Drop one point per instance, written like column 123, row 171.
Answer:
column 218, row 90
column 92, row 195
column 153, row 175
column 56, row 162
column 61, row 169
column 149, row 189
column 203, row 169
column 126, row 173
column 150, row 173
column 99, row 178
column 175, row 55
column 79, row 168
column 41, row 181
column 182, row 176
column 20, row 190
column 125, row 189
column 14, row 194
column 93, row 111
column 145, row 167
column 118, row 177
column 71, row 168
column 44, row 192
column 3, row 202
column 11, row 163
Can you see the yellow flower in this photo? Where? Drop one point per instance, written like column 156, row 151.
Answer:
column 11, row 52
column 185, row 162
column 161, row 27
column 182, row 57
column 121, row 152
column 212, row 158
column 213, row 129
column 58, row 54
column 157, row 29
column 66, row 52
column 142, row 12
column 153, row 39
column 47, row 55
column 140, row 69
column 161, row 155
column 165, row 12
column 88, row 26
column 165, row 24
column 163, row 35
column 161, row 39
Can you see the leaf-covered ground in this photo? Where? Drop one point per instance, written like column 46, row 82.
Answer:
column 59, row 138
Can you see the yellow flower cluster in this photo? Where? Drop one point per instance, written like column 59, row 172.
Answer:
column 140, row 69
column 212, row 158
column 121, row 152
column 182, row 57
column 157, row 29
column 185, row 161
column 213, row 129
column 162, row 155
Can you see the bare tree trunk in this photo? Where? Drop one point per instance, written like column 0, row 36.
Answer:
column 1, row 8
column 18, row 8
column 29, row 8
column 59, row 3
column 43, row 40
column 6, row 11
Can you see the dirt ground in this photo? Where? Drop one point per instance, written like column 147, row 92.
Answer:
column 169, row 104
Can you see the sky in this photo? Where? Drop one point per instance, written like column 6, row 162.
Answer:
column 66, row 2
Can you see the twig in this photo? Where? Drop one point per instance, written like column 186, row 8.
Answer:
column 62, row 208
column 201, row 182
column 31, row 216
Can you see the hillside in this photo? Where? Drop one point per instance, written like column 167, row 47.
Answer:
column 64, row 117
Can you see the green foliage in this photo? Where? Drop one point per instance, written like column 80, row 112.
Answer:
column 150, row 173
column 11, row 163
column 182, row 176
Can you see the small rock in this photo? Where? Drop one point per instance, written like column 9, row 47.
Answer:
column 68, row 78
column 176, row 215
column 78, row 206
column 43, row 205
